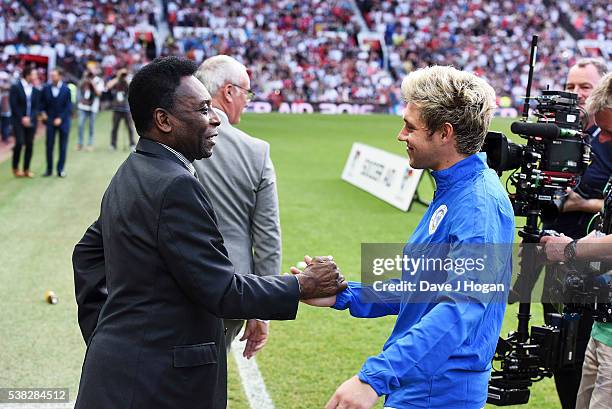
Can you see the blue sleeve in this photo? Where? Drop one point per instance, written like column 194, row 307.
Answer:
column 425, row 347
column 378, row 304
column 454, row 315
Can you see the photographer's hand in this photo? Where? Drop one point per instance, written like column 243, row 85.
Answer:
column 554, row 247
column 577, row 203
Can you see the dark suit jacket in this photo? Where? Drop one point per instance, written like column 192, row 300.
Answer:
column 19, row 103
column 60, row 107
column 158, row 341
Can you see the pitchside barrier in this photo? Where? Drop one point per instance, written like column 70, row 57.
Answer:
column 387, row 176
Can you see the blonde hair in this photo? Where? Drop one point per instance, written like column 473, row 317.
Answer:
column 444, row 94
column 219, row 70
column 601, row 97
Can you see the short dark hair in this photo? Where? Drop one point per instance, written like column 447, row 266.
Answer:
column 59, row 71
column 153, row 86
column 27, row 71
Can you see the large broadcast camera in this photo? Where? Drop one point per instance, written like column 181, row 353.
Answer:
column 556, row 154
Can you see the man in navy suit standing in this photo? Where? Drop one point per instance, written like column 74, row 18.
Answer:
column 57, row 104
column 24, row 99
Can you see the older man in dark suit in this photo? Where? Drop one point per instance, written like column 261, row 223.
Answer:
column 57, row 105
column 153, row 279
column 24, row 99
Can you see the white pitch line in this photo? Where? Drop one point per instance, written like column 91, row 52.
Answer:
column 252, row 381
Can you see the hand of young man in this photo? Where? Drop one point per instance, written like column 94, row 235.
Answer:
column 353, row 394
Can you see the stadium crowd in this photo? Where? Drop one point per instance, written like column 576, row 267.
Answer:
column 299, row 51
column 314, row 50
column 491, row 39
column 81, row 31
column 591, row 18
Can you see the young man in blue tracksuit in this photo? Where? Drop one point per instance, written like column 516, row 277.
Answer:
column 439, row 353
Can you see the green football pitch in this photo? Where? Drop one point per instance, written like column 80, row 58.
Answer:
column 41, row 219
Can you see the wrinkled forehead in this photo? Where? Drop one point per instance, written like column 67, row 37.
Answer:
column 192, row 91
column 587, row 74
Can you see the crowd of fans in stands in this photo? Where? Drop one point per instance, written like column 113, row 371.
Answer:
column 310, row 50
column 491, row 38
column 84, row 31
column 297, row 51
column 591, row 18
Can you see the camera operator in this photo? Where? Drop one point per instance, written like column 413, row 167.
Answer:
column 575, row 213
column 118, row 87
column 596, row 382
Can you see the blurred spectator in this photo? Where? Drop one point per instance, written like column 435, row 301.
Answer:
column 5, row 106
column 118, row 87
column 90, row 89
column 24, row 100
column 57, row 107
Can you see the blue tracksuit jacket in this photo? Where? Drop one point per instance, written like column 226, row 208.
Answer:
column 439, row 353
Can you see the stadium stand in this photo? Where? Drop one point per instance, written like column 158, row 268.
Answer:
column 297, row 51
column 591, row 18
column 319, row 50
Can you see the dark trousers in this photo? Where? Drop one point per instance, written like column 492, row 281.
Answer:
column 118, row 117
column 5, row 122
column 63, row 147
column 23, row 136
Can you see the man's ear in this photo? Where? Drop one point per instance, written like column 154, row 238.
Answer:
column 448, row 132
column 227, row 92
column 162, row 120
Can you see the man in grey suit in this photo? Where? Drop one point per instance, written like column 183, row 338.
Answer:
column 241, row 181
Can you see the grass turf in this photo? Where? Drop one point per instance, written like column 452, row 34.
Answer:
column 41, row 220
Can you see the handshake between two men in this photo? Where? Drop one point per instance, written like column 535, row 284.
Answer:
column 319, row 281
column 319, row 273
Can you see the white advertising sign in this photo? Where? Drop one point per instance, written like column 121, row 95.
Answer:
column 385, row 175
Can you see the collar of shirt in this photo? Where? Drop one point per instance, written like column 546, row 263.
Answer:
column 594, row 131
column 55, row 89
column 461, row 170
column 182, row 158
column 27, row 87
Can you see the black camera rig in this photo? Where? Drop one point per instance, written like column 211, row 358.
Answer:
column 556, row 154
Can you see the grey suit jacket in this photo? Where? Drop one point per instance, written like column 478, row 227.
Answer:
column 241, row 182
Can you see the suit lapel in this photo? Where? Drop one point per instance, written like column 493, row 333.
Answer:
column 22, row 91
